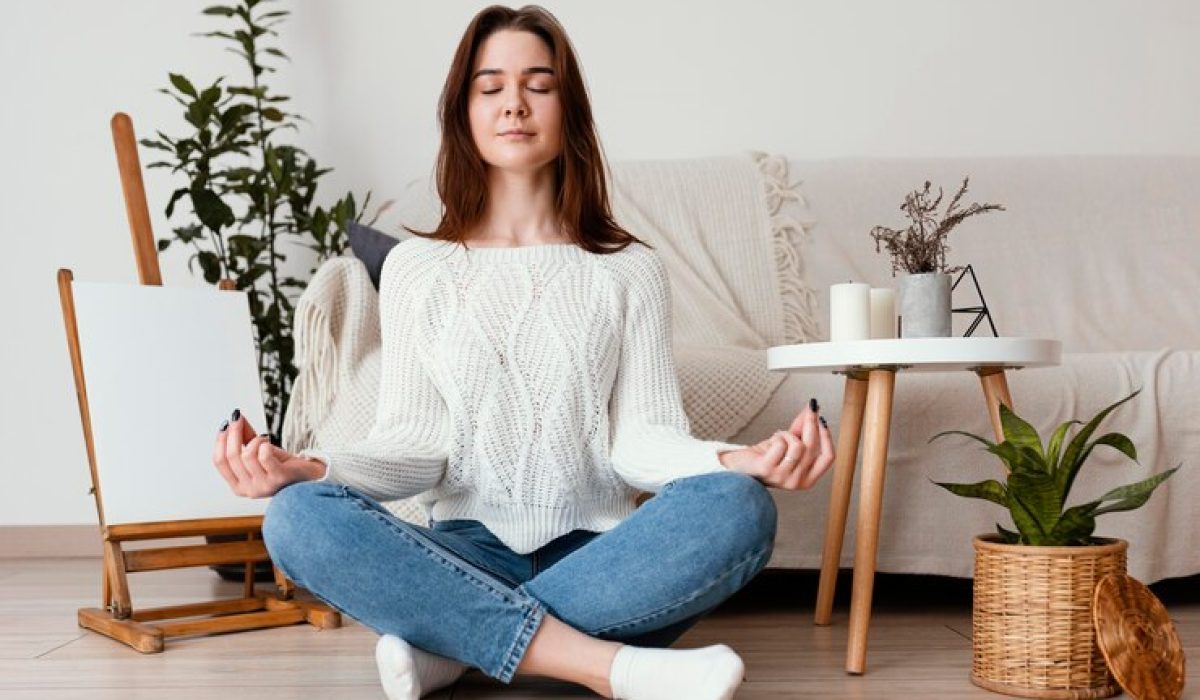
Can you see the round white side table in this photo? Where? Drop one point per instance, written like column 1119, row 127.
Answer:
column 870, row 367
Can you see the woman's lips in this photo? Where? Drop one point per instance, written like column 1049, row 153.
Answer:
column 516, row 135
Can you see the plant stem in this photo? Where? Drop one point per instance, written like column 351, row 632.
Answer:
column 268, row 224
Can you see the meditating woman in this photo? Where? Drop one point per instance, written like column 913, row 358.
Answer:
column 528, row 394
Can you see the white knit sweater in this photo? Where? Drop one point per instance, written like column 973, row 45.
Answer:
column 532, row 389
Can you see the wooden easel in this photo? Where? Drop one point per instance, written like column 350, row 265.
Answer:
column 146, row 629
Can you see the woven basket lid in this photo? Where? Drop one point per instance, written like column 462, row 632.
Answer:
column 1137, row 638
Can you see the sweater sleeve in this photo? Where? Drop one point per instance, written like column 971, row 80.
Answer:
column 406, row 450
column 652, row 442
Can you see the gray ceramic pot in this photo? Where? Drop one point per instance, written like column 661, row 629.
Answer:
column 925, row 306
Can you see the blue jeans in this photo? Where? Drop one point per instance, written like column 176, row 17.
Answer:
column 454, row 589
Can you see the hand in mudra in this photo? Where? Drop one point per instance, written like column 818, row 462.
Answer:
column 790, row 459
column 255, row 468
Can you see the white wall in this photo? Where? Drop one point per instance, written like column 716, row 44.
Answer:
column 809, row 79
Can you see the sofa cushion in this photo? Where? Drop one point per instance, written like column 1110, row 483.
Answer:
column 371, row 247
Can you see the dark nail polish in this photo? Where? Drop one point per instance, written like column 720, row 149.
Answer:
column 224, row 426
column 237, row 413
column 823, row 422
column 266, row 435
column 812, row 404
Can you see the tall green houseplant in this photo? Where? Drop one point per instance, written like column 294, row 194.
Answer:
column 248, row 193
column 1040, row 478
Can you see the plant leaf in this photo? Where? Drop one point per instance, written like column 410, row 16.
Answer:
column 189, row 233
column 182, row 84
column 156, row 144
column 1075, row 526
column 175, row 198
column 1056, row 441
column 990, row 490
column 1115, row 440
column 1027, row 524
column 1019, row 458
column 1035, row 503
column 1133, row 495
column 1018, row 431
column 944, row 433
column 1074, row 455
column 212, row 212
column 1009, row 536
column 211, row 266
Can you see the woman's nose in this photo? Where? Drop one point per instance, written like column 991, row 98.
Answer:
column 517, row 108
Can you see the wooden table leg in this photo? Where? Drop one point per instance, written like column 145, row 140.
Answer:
column 995, row 392
column 849, row 429
column 878, row 421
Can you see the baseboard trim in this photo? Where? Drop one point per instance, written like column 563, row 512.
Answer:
column 33, row 541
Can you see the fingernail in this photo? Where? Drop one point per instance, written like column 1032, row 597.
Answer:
column 266, row 435
column 812, row 404
column 823, row 421
column 224, row 426
column 237, row 413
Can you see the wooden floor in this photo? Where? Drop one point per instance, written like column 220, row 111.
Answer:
column 919, row 647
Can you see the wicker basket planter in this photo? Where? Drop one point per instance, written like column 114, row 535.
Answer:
column 1033, row 634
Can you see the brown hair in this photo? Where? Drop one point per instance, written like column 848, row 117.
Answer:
column 582, row 192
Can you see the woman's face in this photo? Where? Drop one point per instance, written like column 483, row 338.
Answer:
column 515, row 112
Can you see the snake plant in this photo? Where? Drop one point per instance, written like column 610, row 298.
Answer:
column 1040, row 478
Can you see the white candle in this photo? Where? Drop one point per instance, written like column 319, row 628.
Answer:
column 883, row 313
column 849, row 311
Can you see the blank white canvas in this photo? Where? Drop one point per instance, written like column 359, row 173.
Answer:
column 164, row 367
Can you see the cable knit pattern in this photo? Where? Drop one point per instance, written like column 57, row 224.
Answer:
column 532, row 389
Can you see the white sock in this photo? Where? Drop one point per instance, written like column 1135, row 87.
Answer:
column 409, row 673
column 710, row 673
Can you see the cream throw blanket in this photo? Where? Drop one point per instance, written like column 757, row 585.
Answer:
column 728, row 230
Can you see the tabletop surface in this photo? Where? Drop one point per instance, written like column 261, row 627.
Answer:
column 916, row 354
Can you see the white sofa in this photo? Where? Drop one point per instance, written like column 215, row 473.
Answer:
column 1102, row 253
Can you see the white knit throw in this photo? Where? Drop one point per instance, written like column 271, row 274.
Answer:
column 728, row 230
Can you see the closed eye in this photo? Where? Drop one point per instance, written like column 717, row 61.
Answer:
column 540, row 91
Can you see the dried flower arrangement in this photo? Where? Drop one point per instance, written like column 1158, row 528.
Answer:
column 922, row 246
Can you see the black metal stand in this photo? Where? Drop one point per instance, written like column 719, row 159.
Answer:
column 981, row 312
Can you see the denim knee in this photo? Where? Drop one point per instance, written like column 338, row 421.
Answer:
column 289, row 514
column 740, row 509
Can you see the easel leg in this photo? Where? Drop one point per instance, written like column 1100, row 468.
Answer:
column 284, row 587
column 114, row 560
column 995, row 392
column 878, row 420
column 248, row 581
column 849, row 430
column 105, row 586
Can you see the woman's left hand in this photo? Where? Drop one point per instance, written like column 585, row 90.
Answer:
column 790, row 459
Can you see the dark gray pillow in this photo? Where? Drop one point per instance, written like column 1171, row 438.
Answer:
column 371, row 247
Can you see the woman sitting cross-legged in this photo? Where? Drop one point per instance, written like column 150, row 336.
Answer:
column 528, row 394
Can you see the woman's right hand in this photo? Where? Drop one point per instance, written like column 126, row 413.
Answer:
column 255, row 468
